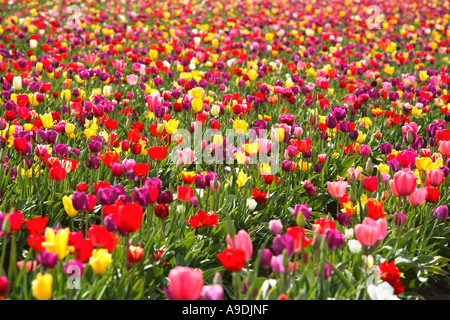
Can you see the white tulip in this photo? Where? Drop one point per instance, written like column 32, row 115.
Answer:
column 383, row 291
column 33, row 43
column 251, row 204
column 17, row 83
column 354, row 246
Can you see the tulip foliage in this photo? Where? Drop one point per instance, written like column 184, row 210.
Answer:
column 242, row 150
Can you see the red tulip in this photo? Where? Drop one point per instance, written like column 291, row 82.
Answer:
column 202, row 219
column 20, row 144
column 109, row 158
column 36, row 225
column 370, row 183
column 161, row 210
column 433, row 195
column 83, row 250
column 135, row 254
column 232, row 260
column 57, row 173
column 157, row 153
column 15, row 221
column 375, row 209
column 184, row 193
column 129, row 217
column 103, row 239
column 141, row 169
column 299, row 237
column 35, row 242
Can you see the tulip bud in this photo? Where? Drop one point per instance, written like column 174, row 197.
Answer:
column 369, row 167
column 5, row 226
column 300, row 220
column 409, row 137
column 159, row 128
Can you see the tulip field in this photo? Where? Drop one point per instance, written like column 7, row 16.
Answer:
column 224, row 150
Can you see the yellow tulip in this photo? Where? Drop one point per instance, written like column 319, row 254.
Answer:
column 57, row 243
column 47, row 120
column 68, row 206
column 252, row 75
column 424, row 164
column 69, row 128
column 41, row 287
column 197, row 104
column 279, row 134
column 197, row 93
column 240, row 126
column 171, row 125
column 100, row 260
column 241, row 179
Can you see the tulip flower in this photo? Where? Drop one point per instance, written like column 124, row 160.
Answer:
column 337, row 188
column 241, row 241
column 129, row 217
column 371, row 231
column 370, row 183
column 435, row 177
column 417, row 198
column 4, row 286
column 232, row 259
column 300, row 240
column 41, row 287
column 100, row 260
column 404, row 183
column 184, row 284
column 57, row 242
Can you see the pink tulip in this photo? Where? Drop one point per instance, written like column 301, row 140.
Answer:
column 393, row 188
column 380, row 224
column 184, row 284
column 435, row 177
column 241, row 241
column 371, row 231
column 353, row 171
column 411, row 126
column 405, row 182
column 418, row 197
column 444, row 147
column 154, row 101
column 337, row 188
column 132, row 79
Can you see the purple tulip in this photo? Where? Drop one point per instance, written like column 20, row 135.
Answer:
column 282, row 242
column 266, row 257
column 61, row 150
column 441, row 212
column 304, row 209
column 47, row 259
column 334, row 238
column 80, row 201
column 142, row 196
column 399, row 219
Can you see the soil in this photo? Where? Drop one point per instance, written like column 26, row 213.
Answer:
column 435, row 291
